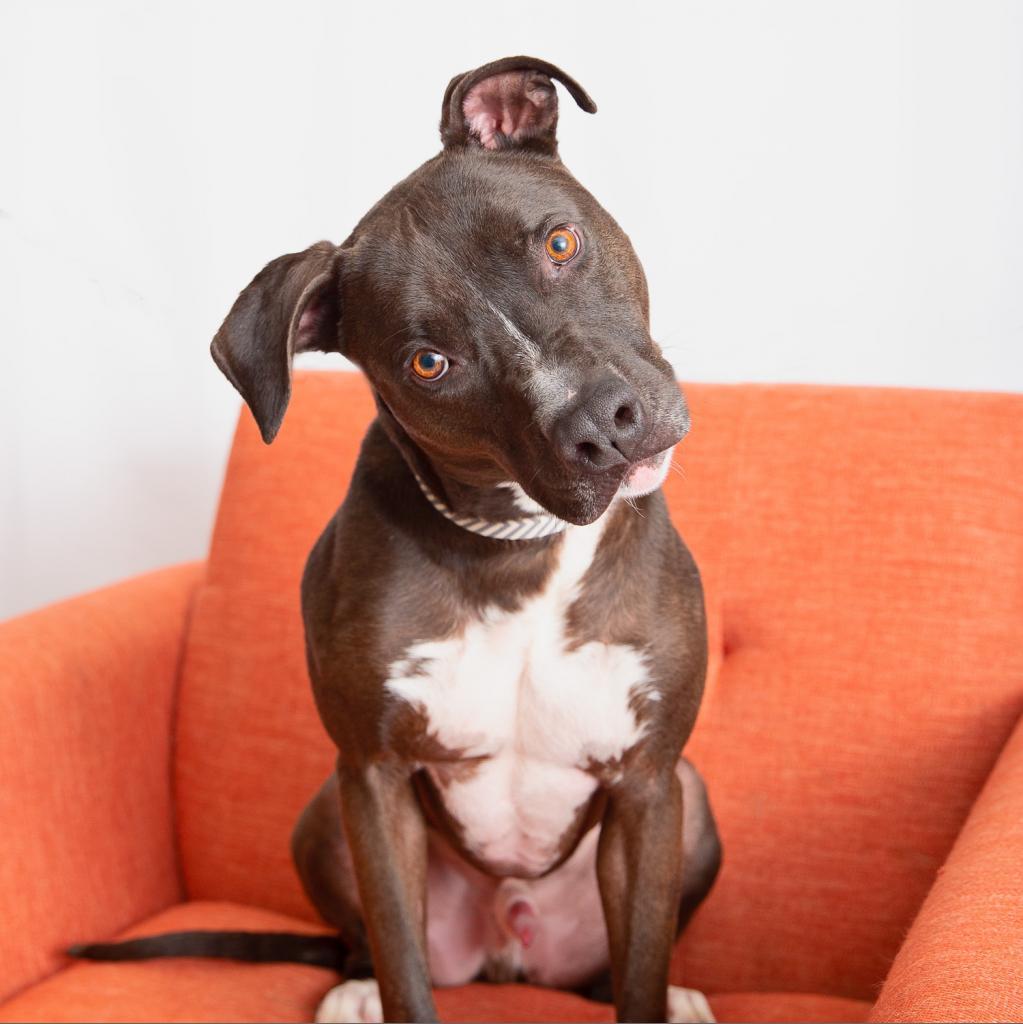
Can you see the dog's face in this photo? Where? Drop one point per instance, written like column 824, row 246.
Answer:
column 498, row 311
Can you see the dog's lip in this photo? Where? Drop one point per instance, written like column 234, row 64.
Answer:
column 650, row 462
column 647, row 474
column 621, row 471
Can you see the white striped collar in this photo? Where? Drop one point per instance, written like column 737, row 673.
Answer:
column 524, row 527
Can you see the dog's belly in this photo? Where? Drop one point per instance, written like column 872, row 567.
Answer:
column 526, row 719
column 548, row 931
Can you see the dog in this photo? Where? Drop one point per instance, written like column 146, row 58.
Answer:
column 505, row 633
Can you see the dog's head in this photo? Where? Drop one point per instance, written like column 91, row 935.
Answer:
column 498, row 311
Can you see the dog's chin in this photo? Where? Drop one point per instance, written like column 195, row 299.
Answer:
column 589, row 514
column 579, row 502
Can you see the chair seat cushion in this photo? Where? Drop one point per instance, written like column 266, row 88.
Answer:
column 203, row 990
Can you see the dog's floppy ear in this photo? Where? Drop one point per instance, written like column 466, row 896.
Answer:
column 292, row 305
column 509, row 104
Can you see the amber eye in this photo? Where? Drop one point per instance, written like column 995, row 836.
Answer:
column 562, row 244
column 429, row 365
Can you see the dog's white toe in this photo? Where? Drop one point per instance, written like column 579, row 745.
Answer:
column 687, row 1006
column 355, row 1001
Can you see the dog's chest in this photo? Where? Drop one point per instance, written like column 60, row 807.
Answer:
column 527, row 716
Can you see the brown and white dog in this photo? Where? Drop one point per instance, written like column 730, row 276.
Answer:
column 505, row 634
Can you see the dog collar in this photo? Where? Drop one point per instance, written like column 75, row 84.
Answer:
column 525, row 527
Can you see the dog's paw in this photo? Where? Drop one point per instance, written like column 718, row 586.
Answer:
column 687, row 1006
column 355, row 1001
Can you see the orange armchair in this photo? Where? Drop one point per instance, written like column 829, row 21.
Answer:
column 862, row 551
column 87, row 695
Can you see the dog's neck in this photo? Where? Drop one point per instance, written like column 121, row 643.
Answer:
column 499, row 511
column 524, row 526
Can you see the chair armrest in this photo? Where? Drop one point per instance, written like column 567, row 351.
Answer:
column 87, row 690
column 963, row 957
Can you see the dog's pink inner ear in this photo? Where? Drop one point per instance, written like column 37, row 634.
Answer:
column 513, row 106
column 318, row 313
column 310, row 324
column 315, row 330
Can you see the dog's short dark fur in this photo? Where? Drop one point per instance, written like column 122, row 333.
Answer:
column 509, row 713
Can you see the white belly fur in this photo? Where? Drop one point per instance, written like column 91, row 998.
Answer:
column 505, row 688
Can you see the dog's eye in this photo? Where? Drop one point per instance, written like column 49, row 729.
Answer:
column 562, row 244
column 429, row 365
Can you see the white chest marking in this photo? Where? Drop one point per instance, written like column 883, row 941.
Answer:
column 506, row 689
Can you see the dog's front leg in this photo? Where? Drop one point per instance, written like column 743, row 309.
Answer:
column 639, row 870
column 387, row 837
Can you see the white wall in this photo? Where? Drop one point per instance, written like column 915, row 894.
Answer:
column 819, row 191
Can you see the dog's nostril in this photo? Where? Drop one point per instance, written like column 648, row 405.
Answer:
column 625, row 416
column 588, row 450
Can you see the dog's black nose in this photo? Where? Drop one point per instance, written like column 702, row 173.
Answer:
column 603, row 428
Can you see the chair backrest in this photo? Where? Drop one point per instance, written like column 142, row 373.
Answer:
column 862, row 553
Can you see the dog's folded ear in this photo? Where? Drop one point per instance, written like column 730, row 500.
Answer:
column 509, row 104
column 292, row 305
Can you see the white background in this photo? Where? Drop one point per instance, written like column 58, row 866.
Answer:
column 819, row 192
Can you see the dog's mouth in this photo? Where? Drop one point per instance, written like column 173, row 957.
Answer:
column 582, row 506
column 646, row 475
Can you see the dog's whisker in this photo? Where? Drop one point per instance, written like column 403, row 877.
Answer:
column 631, row 502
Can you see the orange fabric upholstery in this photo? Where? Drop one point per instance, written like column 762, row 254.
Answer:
column 86, row 698
column 963, row 958
column 862, row 552
column 863, row 549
